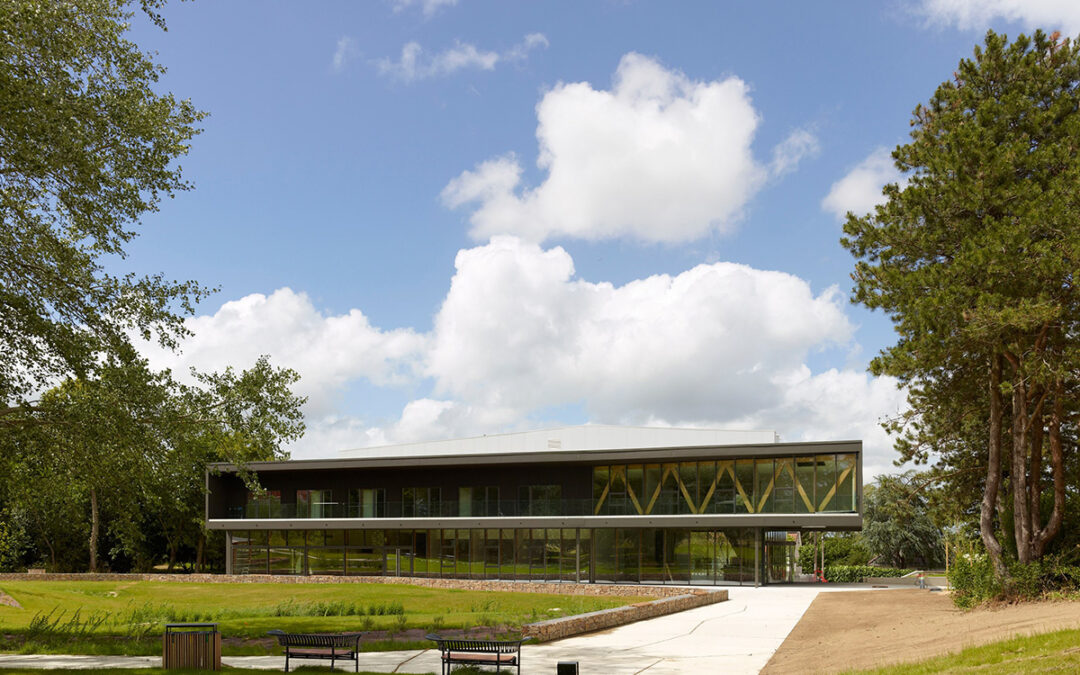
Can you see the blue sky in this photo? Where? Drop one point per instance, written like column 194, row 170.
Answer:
column 470, row 217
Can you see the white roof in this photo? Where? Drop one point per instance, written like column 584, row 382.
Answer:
column 577, row 439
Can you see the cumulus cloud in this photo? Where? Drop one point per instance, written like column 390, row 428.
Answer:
column 428, row 7
column 327, row 350
column 518, row 331
column 979, row 14
column 346, row 50
column 860, row 190
column 658, row 157
column 722, row 345
column 415, row 64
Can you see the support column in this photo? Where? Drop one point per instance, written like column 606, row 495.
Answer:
column 758, row 545
column 577, row 556
column 228, row 552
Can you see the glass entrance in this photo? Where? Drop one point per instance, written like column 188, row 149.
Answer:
column 780, row 559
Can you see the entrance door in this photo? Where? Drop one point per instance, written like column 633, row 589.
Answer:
column 780, row 560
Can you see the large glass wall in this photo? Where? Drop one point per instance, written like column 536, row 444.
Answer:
column 808, row 484
column 601, row 555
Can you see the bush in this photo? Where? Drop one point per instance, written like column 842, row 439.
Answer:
column 851, row 574
column 972, row 580
column 839, row 550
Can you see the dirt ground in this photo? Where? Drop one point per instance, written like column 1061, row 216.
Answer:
column 868, row 629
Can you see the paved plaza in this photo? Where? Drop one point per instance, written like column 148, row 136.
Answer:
column 737, row 636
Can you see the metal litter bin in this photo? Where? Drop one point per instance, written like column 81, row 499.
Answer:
column 566, row 668
column 195, row 646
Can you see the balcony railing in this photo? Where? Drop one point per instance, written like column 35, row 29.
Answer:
column 507, row 509
column 445, row 509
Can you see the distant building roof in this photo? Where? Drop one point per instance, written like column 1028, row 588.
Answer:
column 577, row 439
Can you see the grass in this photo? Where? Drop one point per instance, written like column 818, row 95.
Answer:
column 128, row 617
column 1057, row 652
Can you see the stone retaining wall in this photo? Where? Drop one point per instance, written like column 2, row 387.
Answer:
column 564, row 588
column 556, row 629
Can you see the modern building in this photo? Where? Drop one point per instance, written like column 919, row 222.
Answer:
column 587, row 504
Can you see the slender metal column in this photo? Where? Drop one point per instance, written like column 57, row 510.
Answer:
column 758, row 555
column 228, row 552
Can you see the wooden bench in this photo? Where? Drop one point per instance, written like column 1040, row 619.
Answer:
column 323, row 646
column 496, row 653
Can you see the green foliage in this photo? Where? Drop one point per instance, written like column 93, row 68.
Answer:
column 973, row 259
column 90, row 145
column 852, row 574
column 897, row 527
column 973, row 581
column 840, row 549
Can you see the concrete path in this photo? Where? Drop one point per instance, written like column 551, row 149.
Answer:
column 737, row 636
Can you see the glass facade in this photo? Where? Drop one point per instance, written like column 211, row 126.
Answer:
column 810, row 484
column 599, row 555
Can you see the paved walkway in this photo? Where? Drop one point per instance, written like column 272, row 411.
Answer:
column 737, row 636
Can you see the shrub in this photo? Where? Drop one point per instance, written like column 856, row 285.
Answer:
column 851, row 574
column 973, row 581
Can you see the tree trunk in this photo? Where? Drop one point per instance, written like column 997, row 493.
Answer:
column 1057, row 464
column 93, row 530
column 1035, row 477
column 199, row 551
column 1018, row 472
column 993, row 472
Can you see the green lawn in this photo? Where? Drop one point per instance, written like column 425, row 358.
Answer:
column 127, row 617
column 1057, row 652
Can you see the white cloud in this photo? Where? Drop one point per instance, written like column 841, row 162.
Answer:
column 327, row 351
column 658, row 157
column 428, row 7
column 518, row 331
column 346, row 50
column 860, row 190
column 799, row 145
column 722, row 345
column 979, row 14
column 415, row 64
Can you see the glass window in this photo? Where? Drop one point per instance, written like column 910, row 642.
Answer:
column 707, row 486
column 825, row 482
column 763, row 478
column 804, row 485
column 478, row 501
column 688, row 475
column 628, row 543
column 367, row 503
column 600, row 488
column 723, row 500
column 421, row 502
column 744, row 486
column 266, row 506
column 617, row 491
column 845, row 483
column 784, row 489
column 635, row 488
column 540, row 500
column 670, row 494
column 652, row 487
